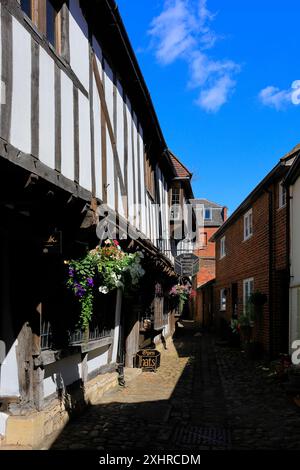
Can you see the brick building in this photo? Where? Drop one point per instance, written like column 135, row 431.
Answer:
column 252, row 256
column 214, row 216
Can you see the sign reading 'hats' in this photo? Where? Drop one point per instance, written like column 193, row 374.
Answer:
column 187, row 264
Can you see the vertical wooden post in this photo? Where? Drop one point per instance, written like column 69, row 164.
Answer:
column 38, row 370
column 117, row 325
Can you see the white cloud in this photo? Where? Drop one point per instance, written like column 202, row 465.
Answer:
column 214, row 97
column 275, row 98
column 183, row 31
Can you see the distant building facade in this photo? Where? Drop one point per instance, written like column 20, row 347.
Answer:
column 252, row 257
column 212, row 218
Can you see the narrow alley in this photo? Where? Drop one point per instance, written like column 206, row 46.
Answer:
column 204, row 396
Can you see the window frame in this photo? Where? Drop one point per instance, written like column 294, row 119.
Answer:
column 282, row 195
column 38, row 16
column 210, row 212
column 248, row 216
column 223, row 247
column 149, row 177
column 223, row 300
column 247, row 282
column 177, row 204
column 203, row 240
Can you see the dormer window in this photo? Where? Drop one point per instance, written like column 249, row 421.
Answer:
column 208, row 213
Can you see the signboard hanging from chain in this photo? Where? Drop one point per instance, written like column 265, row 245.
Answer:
column 187, row 264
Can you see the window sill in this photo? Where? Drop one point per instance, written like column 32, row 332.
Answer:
column 248, row 238
column 49, row 356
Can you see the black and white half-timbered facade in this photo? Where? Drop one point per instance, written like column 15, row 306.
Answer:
column 79, row 139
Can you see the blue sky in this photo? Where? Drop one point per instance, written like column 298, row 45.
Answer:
column 220, row 74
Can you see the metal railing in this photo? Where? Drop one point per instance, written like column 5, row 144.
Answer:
column 74, row 337
column 94, row 334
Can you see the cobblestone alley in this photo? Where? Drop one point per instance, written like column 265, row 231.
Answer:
column 204, row 396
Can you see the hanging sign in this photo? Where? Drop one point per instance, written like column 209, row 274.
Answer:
column 187, row 264
column 53, row 244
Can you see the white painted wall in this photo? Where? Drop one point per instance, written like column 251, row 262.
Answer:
column 62, row 373
column 120, row 142
column 79, row 45
column 67, row 127
column 97, row 124
column 130, row 160
column 21, row 89
column 9, row 381
column 97, row 358
column 295, row 262
column 47, row 110
column 85, row 170
column 109, row 90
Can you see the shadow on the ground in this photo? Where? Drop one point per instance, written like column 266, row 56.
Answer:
column 192, row 418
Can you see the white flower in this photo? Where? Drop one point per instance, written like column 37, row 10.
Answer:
column 103, row 290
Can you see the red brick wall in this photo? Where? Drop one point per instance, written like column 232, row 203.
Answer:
column 207, row 256
column 250, row 259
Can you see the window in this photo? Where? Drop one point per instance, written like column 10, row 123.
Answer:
column 248, row 285
column 223, row 299
column 175, row 204
column 46, row 15
column 222, row 247
column 203, row 239
column 26, row 7
column 282, row 195
column 149, row 176
column 248, row 225
column 208, row 213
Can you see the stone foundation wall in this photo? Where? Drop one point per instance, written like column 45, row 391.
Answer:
column 40, row 429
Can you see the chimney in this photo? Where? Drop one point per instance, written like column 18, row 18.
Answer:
column 224, row 213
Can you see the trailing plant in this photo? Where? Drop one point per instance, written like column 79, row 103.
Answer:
column 105, row 268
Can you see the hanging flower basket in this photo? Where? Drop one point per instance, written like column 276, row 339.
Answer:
column 182, row 293
column 102, row 270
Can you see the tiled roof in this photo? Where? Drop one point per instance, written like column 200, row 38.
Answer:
column 180, row 170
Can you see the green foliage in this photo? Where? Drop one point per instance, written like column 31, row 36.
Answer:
column 103, row 269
